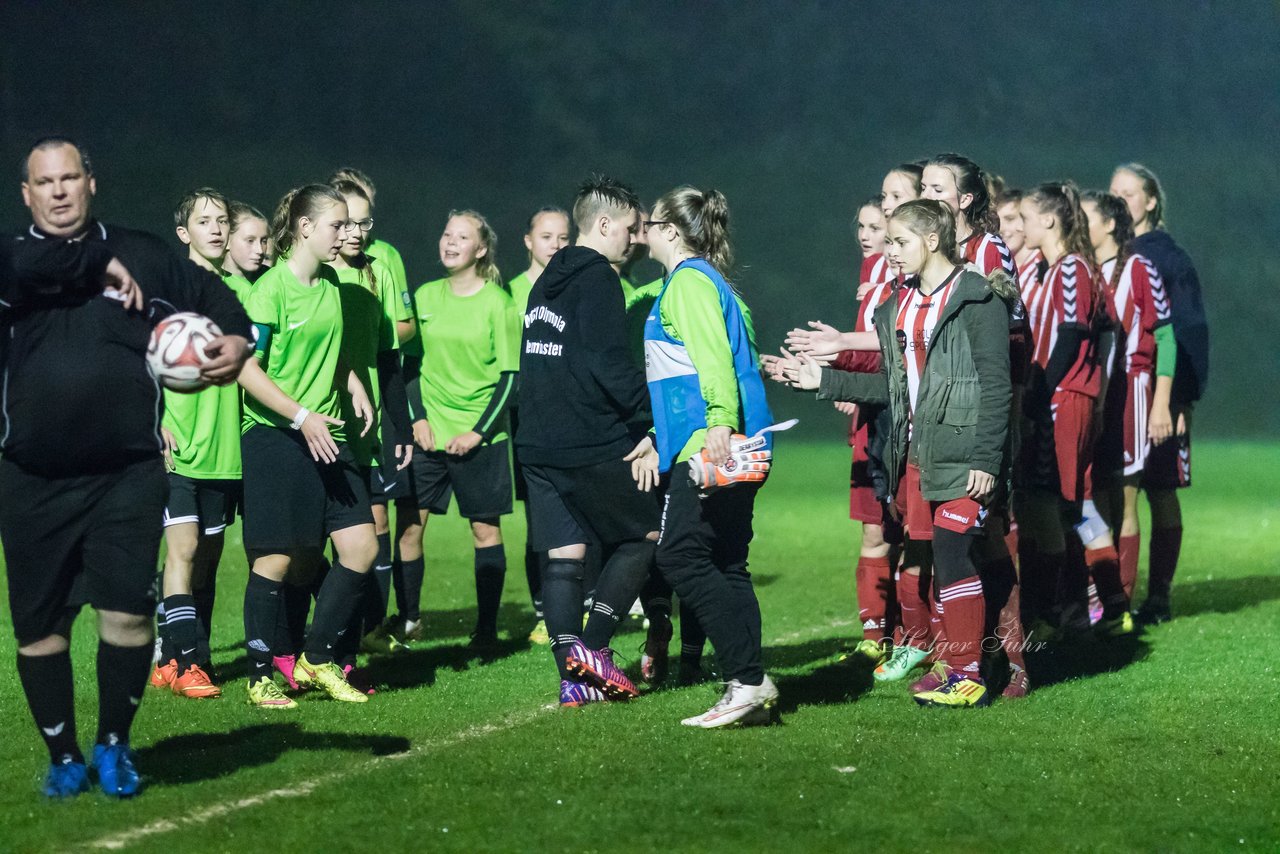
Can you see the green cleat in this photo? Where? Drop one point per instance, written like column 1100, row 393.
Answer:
column 900, row 662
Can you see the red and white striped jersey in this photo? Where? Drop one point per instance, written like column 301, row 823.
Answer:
column 988, row 252
column 1029, row 274
column 870, row 302
column 875, row 269
column 1141, row 306
column 917, row 316
column 1068, row 296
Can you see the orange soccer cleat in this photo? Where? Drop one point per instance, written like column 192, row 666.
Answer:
column 196, row 684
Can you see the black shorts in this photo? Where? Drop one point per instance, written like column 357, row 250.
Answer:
column 597, row 503
column 385, row 483
column 481, row 481
column 210, row 504
column 1169, row 463
column 72, row 540
column 292, row 502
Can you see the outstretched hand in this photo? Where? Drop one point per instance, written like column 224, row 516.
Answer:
column 820, row 339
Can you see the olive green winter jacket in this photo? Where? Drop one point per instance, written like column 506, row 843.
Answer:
column 962, row 417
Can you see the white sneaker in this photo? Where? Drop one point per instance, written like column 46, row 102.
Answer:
column 744, row 704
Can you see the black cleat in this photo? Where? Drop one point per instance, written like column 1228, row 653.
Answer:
column 1154, row 611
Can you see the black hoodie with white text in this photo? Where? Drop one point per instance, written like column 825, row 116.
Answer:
column 580, row 388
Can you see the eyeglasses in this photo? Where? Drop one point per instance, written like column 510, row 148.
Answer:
column 649, row 223
column 362, row 224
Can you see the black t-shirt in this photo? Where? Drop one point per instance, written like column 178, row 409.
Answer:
column 78, row 395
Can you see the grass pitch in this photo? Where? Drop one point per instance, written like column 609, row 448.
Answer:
column 1166, row 743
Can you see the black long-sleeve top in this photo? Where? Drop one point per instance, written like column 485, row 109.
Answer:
column 78, row 397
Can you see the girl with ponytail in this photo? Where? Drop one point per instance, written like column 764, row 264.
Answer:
column 302, row 485
column 1065, row 384
column 1136, row 419
column 705, row 387
column 961, row 184
column 468, row 355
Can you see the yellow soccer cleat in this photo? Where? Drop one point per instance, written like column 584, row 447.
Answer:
column 330, row 678
column 1115, row 627
column 958, row 692
column 539, row 634
column 266, row 694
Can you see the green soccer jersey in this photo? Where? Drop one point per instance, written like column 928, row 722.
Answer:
column 396, row 301
column 466, row 343
column 367, row 330
column 300, row 339
column 628, row 288
column 521, row 286
column 206, row 425
column 638, row 305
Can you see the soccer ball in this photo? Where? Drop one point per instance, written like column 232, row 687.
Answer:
column 176, row 353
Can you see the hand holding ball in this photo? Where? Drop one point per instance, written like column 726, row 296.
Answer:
column 177, row 350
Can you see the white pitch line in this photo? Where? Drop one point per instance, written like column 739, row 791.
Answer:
column 117, row 841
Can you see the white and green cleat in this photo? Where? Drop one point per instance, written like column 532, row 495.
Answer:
column 900, row 663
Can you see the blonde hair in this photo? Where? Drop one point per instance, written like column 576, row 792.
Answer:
column 487, row 266
column 1151, row 186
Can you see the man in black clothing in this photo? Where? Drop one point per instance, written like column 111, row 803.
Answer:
column 82, row 483
column 580, row 394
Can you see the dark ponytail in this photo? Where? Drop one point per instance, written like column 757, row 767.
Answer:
column 1062, row 201
column 1114, row 208
column 971, row 180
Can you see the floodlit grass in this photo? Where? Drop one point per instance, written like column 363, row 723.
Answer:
column 1166, row 743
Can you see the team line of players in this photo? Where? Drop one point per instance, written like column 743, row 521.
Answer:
column 1106, row 356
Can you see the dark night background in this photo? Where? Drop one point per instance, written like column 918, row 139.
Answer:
column 794, row 110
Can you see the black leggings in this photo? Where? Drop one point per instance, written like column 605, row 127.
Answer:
column 702, row 552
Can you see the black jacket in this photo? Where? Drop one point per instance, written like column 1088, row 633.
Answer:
column 78, row 395
column 580, row 388
column 46, row 271
column 1190, row 326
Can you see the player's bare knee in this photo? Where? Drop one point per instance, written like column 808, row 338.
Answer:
column 122, row 629
column 51, row 645
column 381, row 520
column 272, row 567
column 873, row 541
column 357, row 547
column 573, row 552
column 486, row 533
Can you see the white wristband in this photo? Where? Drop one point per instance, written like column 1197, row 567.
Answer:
column 299, row 418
